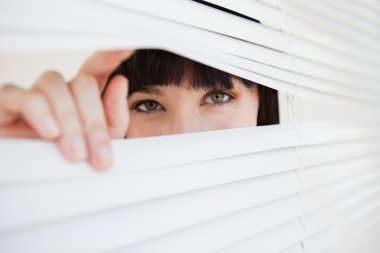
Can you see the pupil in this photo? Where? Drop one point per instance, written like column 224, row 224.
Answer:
column 150, row 106
column 217, row 97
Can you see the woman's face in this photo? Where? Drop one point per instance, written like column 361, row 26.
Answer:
column 162, row 110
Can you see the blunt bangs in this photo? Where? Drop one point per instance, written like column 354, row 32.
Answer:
column 157, row 67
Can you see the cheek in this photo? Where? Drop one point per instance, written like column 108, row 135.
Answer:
column 143, row 126
column 249, row 111
column 241, row 113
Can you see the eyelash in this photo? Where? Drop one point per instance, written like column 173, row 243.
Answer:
column 138, row 103
column 229, row 100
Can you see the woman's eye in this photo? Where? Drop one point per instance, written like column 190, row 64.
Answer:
column 218, row 98
column 148, row 106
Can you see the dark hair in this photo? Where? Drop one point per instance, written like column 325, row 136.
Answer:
column 149, row 67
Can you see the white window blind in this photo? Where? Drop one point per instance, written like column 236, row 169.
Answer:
column 310, row 184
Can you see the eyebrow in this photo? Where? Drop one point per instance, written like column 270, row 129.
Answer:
column 148, row 90
column 157, row 92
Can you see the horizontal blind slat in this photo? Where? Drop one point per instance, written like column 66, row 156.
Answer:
column 297, row 248
column 359, row 10
column 237, row 231
column 267, row 15
column 365, row 240
column 310, row 15
column 340, row 211
column 197, row 144
column 271, row 241
column 63, row 204
column 325, row 195
column 328, row 237
column 209, row 19
column 80, row 235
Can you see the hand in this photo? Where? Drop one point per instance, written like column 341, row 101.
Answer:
column 72, row 114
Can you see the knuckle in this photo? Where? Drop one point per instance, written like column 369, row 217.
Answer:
column 5, row 92
column 34, row 97
column 83, row 81
column 7, row 88
column 49, row 78
column 34, row 101
column 53, row 76
column 97, row 129
column 70, row 119
column 11, row 90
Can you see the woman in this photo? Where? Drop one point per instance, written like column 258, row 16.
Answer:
column 166, row 94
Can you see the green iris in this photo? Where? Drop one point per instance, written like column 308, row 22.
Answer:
column 218, row 98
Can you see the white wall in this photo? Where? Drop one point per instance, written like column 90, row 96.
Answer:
column 24, row 68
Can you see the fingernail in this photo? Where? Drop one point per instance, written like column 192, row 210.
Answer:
column 78, row 148
column 51, row 126
column 103, row 155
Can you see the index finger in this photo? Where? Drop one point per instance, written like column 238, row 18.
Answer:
column 101, row 64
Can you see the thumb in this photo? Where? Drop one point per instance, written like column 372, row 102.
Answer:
column 116, row 106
